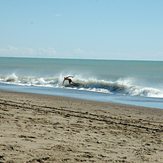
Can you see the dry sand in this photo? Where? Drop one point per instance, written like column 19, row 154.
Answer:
column 46, row 129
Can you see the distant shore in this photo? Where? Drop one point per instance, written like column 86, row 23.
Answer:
column 41, row 128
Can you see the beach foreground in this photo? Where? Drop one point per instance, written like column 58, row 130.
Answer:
column 39, row 128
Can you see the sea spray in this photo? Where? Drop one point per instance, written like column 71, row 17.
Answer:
column 120, row 86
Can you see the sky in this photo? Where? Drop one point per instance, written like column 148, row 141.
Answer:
column 84, row 29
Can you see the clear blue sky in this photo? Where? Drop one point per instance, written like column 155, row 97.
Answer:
column 105, row 29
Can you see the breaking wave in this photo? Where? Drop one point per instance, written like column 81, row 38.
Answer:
column 121, row 86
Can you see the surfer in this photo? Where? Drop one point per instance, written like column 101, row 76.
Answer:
column 68, row 78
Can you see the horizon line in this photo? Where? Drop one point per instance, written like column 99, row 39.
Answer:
column 100, row 59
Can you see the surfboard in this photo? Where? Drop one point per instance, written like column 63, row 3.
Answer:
column 73, row 85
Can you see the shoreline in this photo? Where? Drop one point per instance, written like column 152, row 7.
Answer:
column 45, row 128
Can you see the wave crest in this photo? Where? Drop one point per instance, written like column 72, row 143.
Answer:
column 124, row 87
column 11, row 78
column 121, row 86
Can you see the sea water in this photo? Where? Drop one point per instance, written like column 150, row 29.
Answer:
column 128, row 82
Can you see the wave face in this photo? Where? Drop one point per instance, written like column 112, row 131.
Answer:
column 120, row 86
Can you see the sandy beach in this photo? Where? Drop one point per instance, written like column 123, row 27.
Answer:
column 47, row 129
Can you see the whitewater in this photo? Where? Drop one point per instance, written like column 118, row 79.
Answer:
column 127, row 82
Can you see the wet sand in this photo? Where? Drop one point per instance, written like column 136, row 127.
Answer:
column 47, row 129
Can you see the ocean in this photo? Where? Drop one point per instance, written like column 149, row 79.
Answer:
column 127, row 82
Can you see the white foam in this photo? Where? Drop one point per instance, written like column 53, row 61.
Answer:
column 121, row 86
column 11, row 78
